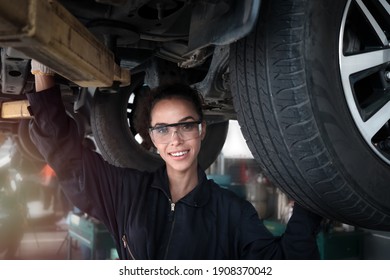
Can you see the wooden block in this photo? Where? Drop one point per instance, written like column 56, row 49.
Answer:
column 44, row 30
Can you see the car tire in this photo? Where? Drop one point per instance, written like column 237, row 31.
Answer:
column 304, row 107
column 26, row 146
column 115, row 133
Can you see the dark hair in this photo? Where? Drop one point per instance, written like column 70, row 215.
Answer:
column 175, row 91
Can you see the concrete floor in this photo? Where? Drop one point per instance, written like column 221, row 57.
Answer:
column 43, row 245
column 43, row 237
column 47, row 242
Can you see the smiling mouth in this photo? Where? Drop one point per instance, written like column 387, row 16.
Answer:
column 179, row 154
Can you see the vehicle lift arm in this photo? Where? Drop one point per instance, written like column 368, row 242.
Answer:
column 45, row 31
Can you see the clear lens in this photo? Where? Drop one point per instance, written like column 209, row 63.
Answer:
column 163, row 134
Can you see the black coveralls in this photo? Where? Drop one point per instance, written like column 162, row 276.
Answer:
column 208, row 223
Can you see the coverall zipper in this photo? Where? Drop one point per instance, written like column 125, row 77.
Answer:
column 172, row 219
column 126, row 245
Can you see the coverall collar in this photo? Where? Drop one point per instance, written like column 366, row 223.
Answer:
column 198, row 197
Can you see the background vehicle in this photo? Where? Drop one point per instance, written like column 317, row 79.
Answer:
column 308, row 81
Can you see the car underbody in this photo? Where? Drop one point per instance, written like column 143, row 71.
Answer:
column 307, row 81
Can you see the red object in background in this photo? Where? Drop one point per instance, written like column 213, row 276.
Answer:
column 243, row 172
column 47, row 173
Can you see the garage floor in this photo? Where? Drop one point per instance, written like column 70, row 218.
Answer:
column 45, row 237
column 46, row 242
column 43, row 245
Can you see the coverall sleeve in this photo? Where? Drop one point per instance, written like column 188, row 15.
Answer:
column 298, row 242
column 89, row 182
column 300, row 238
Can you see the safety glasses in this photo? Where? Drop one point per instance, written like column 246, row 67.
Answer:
column 162, row 134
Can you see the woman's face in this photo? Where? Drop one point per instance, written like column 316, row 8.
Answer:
column 178, row 154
